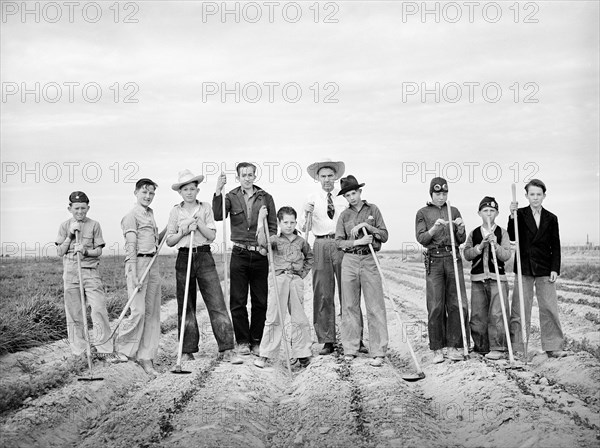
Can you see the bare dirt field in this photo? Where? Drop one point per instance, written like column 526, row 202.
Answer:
column 330, row 403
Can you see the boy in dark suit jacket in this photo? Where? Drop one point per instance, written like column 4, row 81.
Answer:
column 539, row 243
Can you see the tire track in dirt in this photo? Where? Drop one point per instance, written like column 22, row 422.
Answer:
column 534, row 402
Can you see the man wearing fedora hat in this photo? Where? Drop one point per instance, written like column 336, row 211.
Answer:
column 186, row 216
column 359, row 226
column 249, row 264
column 325, row 208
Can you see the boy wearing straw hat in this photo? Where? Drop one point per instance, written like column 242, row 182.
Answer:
column 539, row 242
column 359, row 225
column 432, row 232
column 487, row 325
column 138, row 336
column 90, row 247
column 186, row 216
column 249, row 265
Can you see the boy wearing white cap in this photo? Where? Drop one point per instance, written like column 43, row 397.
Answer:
column 186, row 216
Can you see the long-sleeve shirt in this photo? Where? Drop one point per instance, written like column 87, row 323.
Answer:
column 426, row 218
column 203, row 214
column 351, row 217
column 322, row 224
column 140, row 220
column 293, row 255
column 243, row 223
column 503, row 253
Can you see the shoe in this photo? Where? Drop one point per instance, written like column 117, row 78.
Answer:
column 113, row 358
column 148, row 366
column 556, row 354
column 260, row 362
column 304, row 361
column 455, row 354
column 255, row 350
column 327, row 349
column 495, row 355
column 231, row 357
column 362, row 348
column 377, row 361
column 188, row 357
column 438, row 356
column 349, row 358
column 445, row 352
column 243, row 349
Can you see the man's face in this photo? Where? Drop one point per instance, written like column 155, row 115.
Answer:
column 145, row 195
column 79, row 210
column 287, row 224
column 353, row 197
column 327, row 178
column 488, row 213
column 189, row 192
column 246, row 177
column 439, row 198
column 535, row 196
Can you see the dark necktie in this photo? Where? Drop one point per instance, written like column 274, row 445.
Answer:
column 330, row 207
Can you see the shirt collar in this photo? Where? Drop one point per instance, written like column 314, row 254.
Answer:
column 536, row 212
column 333, row 192
column 142, row 208
column 250, row 193
column 364, row 204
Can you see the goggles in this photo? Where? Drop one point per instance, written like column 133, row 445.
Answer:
column 438, row 187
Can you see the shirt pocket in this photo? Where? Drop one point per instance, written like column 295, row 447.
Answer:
column 236, row 216
column 87, row 238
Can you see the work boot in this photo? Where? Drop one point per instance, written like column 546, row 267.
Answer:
column 304, row 361
column 116, row 357
column 556, row 354
column 327, row 349
column 438, row 356
column 188, row 357
column 231, row 357
column 260, row 362
column 255, row 350
column 377, row 361
column 455, row 354
column 148, row 367
column 495, row 355
column 362, row 348
column 243, row 349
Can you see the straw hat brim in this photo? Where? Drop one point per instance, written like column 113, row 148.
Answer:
column 339, row 168
column 178, row 185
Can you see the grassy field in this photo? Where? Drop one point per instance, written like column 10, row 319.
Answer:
column 32, row 308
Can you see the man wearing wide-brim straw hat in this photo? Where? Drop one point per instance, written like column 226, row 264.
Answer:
column 325, row 207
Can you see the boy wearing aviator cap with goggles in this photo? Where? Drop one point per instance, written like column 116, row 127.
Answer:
column 433, row 232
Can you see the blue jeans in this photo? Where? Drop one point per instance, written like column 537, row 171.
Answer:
column 248, row 269
column 443, row 319
column 545, row 291
column 204, row 273
column 487, row 324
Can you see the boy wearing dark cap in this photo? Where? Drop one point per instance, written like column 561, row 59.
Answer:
column 90, row 248
column 487, row 325
column 432, row 232
column 539, row 243
column 358, row 226
column 139, row 334
column 186, row 216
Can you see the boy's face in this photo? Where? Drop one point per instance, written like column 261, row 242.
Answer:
column 79, row 210
column 439, row 198
column 535, row 196
column 327, row 179
column 246, row 177
column 353, row 197
column 488, row 213
column 145, row 195
column 189, row 192
column 287, row 224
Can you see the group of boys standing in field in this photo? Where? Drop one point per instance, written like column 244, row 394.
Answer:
column 346, row 229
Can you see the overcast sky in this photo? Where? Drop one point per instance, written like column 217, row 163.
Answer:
column 517, row 96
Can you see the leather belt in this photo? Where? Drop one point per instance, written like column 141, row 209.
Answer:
column 203, row 248
column 244, row 246
column 329, row 235
column 359, row 251
column 146, row 255
column 441, row 251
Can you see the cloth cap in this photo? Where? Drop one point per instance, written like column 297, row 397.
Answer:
column 349, row 183
column 186, row 177
column 438, row 184
column 78, row 196
column 488, row 201
column 145, row 181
